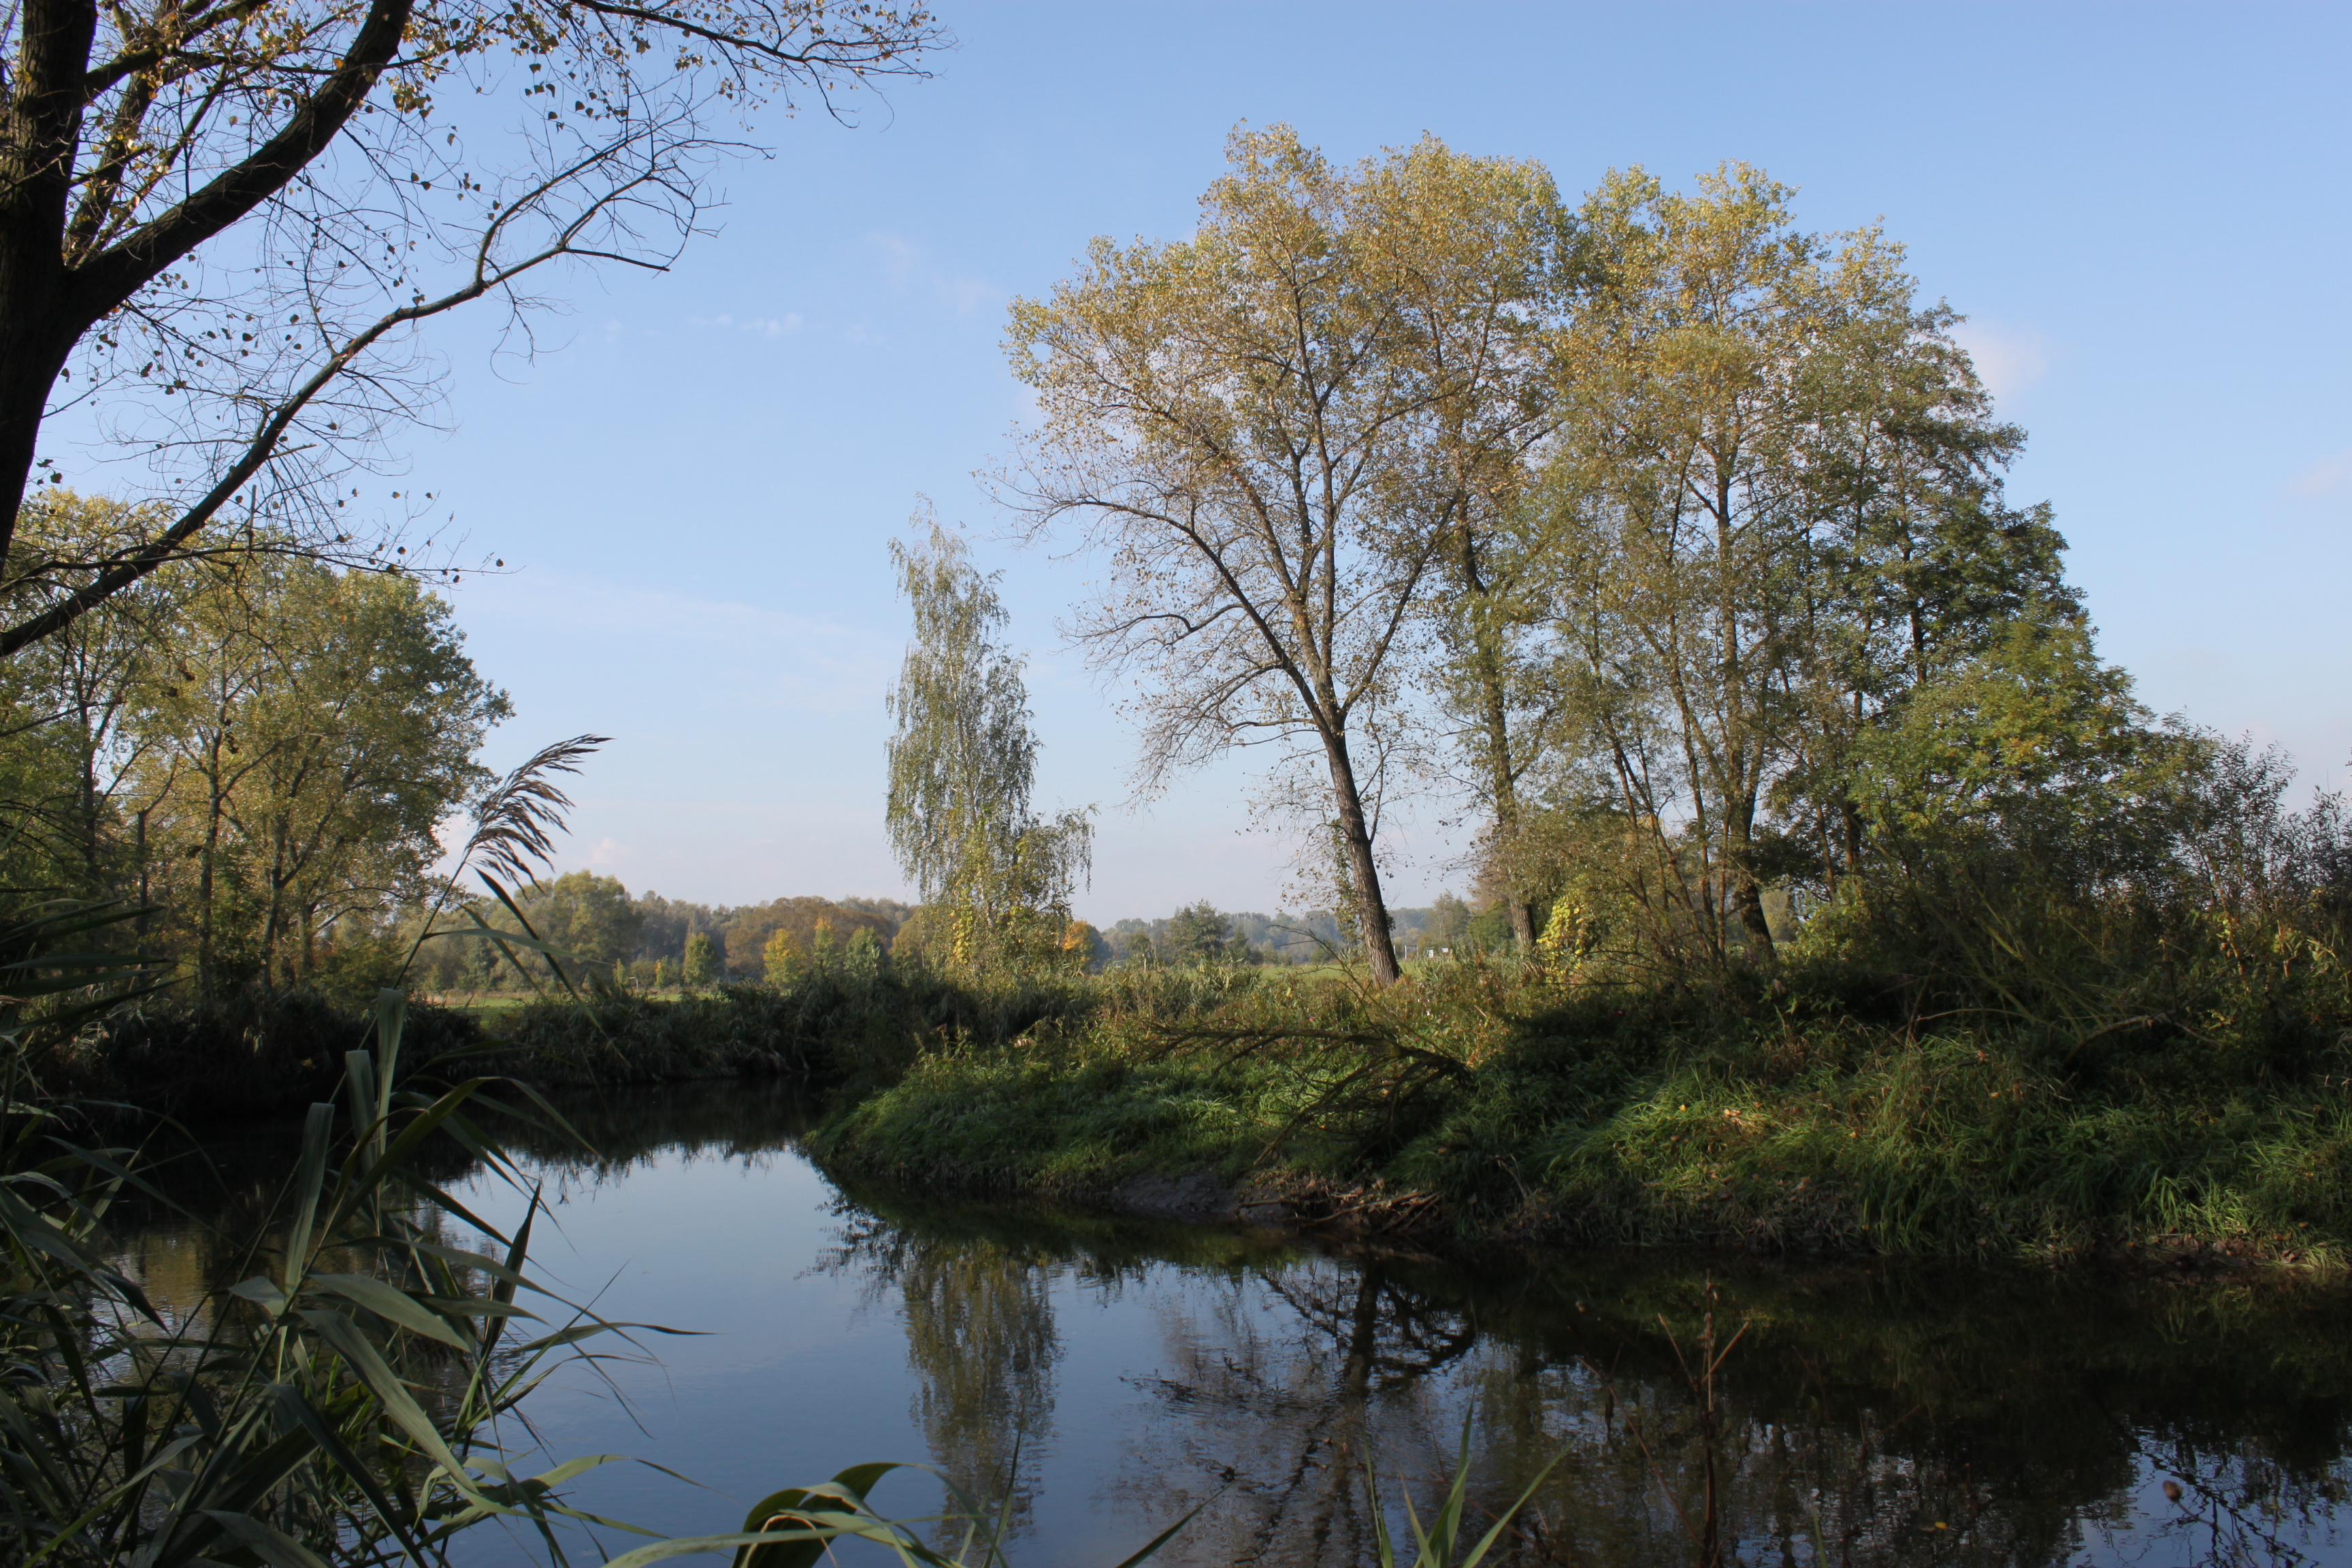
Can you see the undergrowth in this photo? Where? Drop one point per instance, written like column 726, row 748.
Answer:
column 1809, row 1116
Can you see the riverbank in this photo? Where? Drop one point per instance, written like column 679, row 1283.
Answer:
column 1475, row 1104
column 256, row 1054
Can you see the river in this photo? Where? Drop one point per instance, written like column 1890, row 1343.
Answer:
column 1115, row 1374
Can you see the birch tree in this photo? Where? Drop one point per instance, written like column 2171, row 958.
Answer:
column 962, row 765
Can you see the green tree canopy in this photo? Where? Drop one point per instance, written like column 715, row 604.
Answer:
column 262, row 746
column 1275, row 430
column 701, row 966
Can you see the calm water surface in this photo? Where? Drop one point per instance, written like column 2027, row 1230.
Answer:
column 1116, row 1374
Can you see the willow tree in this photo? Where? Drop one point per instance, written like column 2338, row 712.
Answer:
column 225, row 223
column 963, row 763
column 1270, row 428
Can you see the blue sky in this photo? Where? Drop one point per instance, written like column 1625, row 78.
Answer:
column 2143, row 210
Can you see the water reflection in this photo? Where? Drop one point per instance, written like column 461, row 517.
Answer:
column 982, row 1345
column 1884, row 1414
column 1115, row 1374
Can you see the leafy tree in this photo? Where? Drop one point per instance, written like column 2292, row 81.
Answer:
column 1201, row 935
column 1083, row 946
column 889, row 911
column 590, row 916
column 962, row 764
column 1449, row 924
column 1490, row 286
column 701, row 966
column 304, row 736
column 73, row 736
column 2034, row 748
column 746, row 930
column 1276, row 428
column 667, row 922
column 228, row 226
column 1767, row 440
column 780, row 958
column 863, row 958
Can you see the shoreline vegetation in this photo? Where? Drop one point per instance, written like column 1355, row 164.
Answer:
column 1487, row 1101
column 1484, row 1100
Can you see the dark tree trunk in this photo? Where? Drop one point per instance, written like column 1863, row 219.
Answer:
column 40, row 130
column 1502, row 768
column 1750, row 899
column 50, row 299
column 1356, row 839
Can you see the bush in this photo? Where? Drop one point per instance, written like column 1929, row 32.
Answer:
column 251, row 1053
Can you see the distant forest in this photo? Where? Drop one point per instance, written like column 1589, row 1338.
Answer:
column 644, row 936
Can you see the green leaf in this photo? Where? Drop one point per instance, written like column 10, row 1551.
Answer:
column 270, row 1544
column 393, row 1304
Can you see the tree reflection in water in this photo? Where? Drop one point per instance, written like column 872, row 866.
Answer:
column 1876, row 1414
column 979, row 1317
column 1872, row 1417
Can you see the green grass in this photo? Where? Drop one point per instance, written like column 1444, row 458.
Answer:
column 1474, row 1102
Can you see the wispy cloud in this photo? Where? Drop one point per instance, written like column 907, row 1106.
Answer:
column 2008, row 359
column 749, row 326
column 2324, row 478
column 608, row 852
column 910, row 266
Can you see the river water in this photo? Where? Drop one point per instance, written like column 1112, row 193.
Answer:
column 1108, row 1376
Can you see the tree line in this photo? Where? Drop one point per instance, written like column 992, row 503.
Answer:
column 1669, row 535
column 649, row 941
column 256, row 748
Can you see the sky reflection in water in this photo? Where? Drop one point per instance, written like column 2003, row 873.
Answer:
column 1872, row 1415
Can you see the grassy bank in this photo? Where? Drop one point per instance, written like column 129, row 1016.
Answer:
column 1476, row 1102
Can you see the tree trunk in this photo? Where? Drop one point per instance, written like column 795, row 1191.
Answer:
column 215, row 804
column 273, row 925
column 1502, row 785
column 1355, row 837
column 40, row 125
column 1747, row 893
column 46, row 305
column 1751, row 899
column 1494, row 717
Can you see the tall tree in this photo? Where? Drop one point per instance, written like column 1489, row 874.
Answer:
column 963, row 763
column 1784, row 479
column 309, row 732
column 72, row 738
column 1272, row 429
column 1485, row 265
column 701, row 967
column 222, row 224
column 1687, row 626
